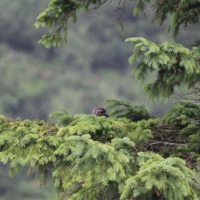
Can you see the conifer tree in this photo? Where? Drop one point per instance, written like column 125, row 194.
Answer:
column 130, row 154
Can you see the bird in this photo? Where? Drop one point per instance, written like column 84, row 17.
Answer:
column 100, row 111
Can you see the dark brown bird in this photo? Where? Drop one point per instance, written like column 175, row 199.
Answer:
column 100, row 111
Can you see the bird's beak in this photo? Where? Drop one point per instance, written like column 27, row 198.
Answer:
column 106, row 115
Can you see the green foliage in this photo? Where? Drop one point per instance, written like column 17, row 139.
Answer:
column 96, row 157
column 135, row 113
column 176, row 66
column 156, row 178
column 129, row 155
column 58, row 13
column 68, row 150
column 56, row 18
column 21, row 145
column 180, row 12
column 184, row 117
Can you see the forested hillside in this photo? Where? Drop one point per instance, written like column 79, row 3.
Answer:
column 50, row 87
column 79, row 76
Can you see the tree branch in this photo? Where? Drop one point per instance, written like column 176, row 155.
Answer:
column 154, row 142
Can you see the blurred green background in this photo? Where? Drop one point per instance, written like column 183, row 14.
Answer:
column 79, row 76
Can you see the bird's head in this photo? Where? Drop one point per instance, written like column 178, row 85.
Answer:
column 100, row 111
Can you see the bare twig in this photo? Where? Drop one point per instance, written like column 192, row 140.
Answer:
column 190, row 96
column 97, row 6
column 155, row 142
